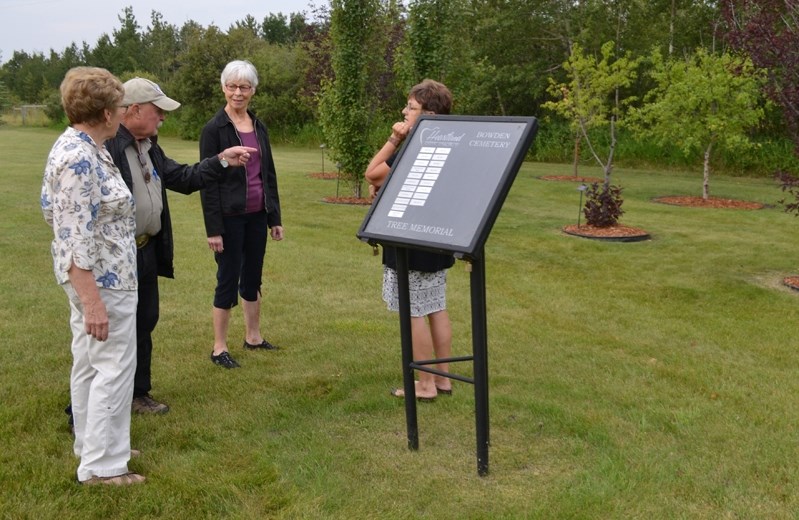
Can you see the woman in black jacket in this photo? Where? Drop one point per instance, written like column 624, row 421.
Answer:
column 238, row 209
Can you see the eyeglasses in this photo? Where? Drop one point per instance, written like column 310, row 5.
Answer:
column 145, row 170
column 230, row 87
column 411, row 108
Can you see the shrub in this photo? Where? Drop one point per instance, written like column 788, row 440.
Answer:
column 789, row 184
column 603, row 205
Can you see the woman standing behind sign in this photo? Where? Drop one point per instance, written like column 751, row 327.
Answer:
column 427, row 275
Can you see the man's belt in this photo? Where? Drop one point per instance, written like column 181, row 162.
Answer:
column 142, row 240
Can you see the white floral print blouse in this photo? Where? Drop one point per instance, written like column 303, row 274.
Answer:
column 91, row 211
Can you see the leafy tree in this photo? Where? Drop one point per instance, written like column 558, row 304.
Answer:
column 196, row 84
column 345, row 102
column 245, row 39
column 317, row 52
column 250, row 24
column 515, row 49
column 768, row 32
column 25, row 75
column 54, row 110
column 5, row 99
column 162, row 46
column 701, row 103
column 691, row 24
column 388, row 91
column 123, row 50
column 276, row 29
column 433, row 27
column 592, row 98
column 128, row 46
column 436, row 46
column 71, row 57
column 104, row 54
column 278, row 99
column 297, row 27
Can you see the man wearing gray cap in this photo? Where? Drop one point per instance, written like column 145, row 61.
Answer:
column 148, row 172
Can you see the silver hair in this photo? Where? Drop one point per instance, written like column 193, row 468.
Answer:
column 240, row 70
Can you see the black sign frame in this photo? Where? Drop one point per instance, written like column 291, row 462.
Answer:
column 525, row 129
column 471, row 141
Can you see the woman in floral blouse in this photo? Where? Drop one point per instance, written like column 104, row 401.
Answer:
column 91, row 211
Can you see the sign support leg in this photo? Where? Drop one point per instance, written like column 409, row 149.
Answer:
column 407, row 348
column 480, row 351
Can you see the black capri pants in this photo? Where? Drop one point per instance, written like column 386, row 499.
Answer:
column 240, row 264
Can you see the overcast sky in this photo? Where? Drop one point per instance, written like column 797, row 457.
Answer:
column 41, row 25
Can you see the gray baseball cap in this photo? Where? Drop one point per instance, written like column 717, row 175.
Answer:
column 141, row 90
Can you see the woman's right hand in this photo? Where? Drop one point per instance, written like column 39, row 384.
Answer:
column 400, row 130
column 215, row 243
column 95, row 319
column 95, row 314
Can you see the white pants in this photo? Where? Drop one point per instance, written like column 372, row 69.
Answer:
column 101, row 385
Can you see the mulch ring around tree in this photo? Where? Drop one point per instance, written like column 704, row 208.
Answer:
column 571, row 178
column 617, row 233
column 323, row 175
column 792, row 282
column 348, row 200
column 710, row 202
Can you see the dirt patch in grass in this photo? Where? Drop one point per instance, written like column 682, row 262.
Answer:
column 348, row 200
column 710, row 202
column 323, row 175
column 571, row 178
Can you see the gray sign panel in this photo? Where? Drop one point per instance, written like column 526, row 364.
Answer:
column 448, row 183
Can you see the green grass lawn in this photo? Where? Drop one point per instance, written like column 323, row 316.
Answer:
column 655, row 379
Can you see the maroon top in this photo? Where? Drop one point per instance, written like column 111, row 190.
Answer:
column 255, row 184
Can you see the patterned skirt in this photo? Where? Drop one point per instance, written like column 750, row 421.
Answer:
column 428, row 291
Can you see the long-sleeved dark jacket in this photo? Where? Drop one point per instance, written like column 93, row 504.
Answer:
column 229, row 195
column 178, row 177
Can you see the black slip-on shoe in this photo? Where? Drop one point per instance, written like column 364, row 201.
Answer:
column 224, row 360
column 264, row 345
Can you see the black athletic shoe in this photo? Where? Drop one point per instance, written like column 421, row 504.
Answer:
column 264, row 345
column 224, row 360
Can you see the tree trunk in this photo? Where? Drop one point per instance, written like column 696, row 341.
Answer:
column 612, row 147
column 576, row 153
column 706, row 173
column 671, row 27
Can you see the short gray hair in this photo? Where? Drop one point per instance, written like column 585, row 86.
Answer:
column 240, row 70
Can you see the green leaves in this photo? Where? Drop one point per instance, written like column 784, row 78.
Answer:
column 346, row 100
column 589, row 99
column 701, row 103
column 705, row 99
column 592, row 98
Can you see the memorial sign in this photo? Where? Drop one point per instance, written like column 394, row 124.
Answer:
column 448, row 183
column 443, row 193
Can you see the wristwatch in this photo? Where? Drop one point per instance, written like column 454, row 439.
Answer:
column 223, row 161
